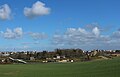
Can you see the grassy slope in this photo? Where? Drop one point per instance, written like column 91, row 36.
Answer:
column 105, row 68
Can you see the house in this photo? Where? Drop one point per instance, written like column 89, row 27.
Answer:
column 58, row 57
column 116, row 54
column 62, row 61
column 32, row 58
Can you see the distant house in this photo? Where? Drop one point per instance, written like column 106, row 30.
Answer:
column 62, row 56
column 58, row 57
column 116, row 54
column 32, row 58
column 93, row 53
column 62, row 61
column 5, row 54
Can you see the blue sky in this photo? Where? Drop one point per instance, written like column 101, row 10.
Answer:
column 50, row 24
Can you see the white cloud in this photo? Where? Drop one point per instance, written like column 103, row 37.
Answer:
column 96, row 31
column 37, row 9
column 12, row 34
column 79, row 37
column 18, row 32
column 5, row 12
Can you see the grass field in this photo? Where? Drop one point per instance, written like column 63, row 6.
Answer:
column 103, row 68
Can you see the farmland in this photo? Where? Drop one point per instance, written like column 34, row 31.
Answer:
column 101, row 68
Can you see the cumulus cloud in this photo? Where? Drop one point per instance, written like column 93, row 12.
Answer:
column 18, row 33
column 5, row 12
column 12, row 34
column 37, row 9
column 79, row 37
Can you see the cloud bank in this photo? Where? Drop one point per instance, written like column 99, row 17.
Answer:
column 71, row 38
column 79, row 37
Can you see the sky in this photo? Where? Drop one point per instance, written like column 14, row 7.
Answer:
column 50, row 24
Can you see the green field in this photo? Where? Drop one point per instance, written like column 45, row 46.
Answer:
column 103, row 68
